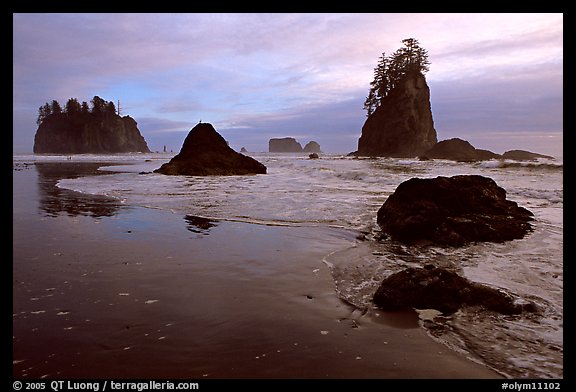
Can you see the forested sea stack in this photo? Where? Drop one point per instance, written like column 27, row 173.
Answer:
column 399, row 122
column 79, row 129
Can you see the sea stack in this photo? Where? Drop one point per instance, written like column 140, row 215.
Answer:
column 312, row 147
column 206, row 153
column 287, row 144
column 105, row 133
column 402, row 126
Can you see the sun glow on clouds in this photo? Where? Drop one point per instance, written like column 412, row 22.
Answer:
column 267, row 75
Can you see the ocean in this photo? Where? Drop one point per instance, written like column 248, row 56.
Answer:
column 343, row 194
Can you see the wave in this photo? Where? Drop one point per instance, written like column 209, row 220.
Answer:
column 531, row 165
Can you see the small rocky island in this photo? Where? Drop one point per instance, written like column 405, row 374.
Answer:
column 462, row 151
column 458, row 150
column 80, row 129
column 312, row 147
column 206, row 153
column 289, row 144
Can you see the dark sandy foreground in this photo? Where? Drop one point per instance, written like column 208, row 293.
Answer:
column 104, row 290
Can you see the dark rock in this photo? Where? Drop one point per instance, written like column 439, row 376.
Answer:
column 452, row 211
column 94, row 134
column 206, row 153
column 486, row 155
column 352, row 154
column 312, row 147
column 443, row 290
column 313, row 156
column 243, row 150
column 459, row 150
column 287, row 144
column 402, row 126
column 521, row 155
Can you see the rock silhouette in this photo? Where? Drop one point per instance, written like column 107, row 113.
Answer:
column 462, row 151
column 206, row 153
column 522, row 155
column 287, row 144
column 458, row 150
column 312, row 147
column 402, row 126
column 85, row 133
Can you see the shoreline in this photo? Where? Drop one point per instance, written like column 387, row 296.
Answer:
column 112, row 290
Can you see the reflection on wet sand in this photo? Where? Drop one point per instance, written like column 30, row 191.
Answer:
column 54, row 200
column 198, row 224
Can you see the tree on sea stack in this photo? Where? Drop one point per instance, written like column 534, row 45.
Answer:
column 412, row 58
column 399, row 122
column 77, row 129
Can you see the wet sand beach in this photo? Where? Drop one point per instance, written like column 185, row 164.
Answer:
column 102, row 289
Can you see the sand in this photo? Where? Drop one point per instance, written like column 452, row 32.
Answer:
column 107, row 290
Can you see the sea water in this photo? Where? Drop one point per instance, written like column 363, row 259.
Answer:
column 345, row 193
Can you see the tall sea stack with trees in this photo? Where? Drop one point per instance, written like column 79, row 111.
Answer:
column 80, row 129
column 399, row 122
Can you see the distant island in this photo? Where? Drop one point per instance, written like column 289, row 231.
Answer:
column 400, row 123
column 81, row 129
column 289, row 144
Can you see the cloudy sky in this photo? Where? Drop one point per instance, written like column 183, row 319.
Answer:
column 495, row 79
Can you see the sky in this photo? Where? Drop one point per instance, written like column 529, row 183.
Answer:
column 495, row 80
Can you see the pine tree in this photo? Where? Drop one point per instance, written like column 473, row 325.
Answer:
column 84, row 108
column 72, row 107
column 98, row 105
column 391, row 70
column 110, row 108
column 44, row 112
column 56, row 108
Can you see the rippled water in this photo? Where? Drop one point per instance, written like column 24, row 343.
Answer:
column 344, row 192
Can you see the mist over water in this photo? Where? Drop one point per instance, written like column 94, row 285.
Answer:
column 345, row 193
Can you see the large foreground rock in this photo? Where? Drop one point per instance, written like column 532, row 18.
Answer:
column 452, row 211
column 402, row 126
column 443, row 290
column 206, row 153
